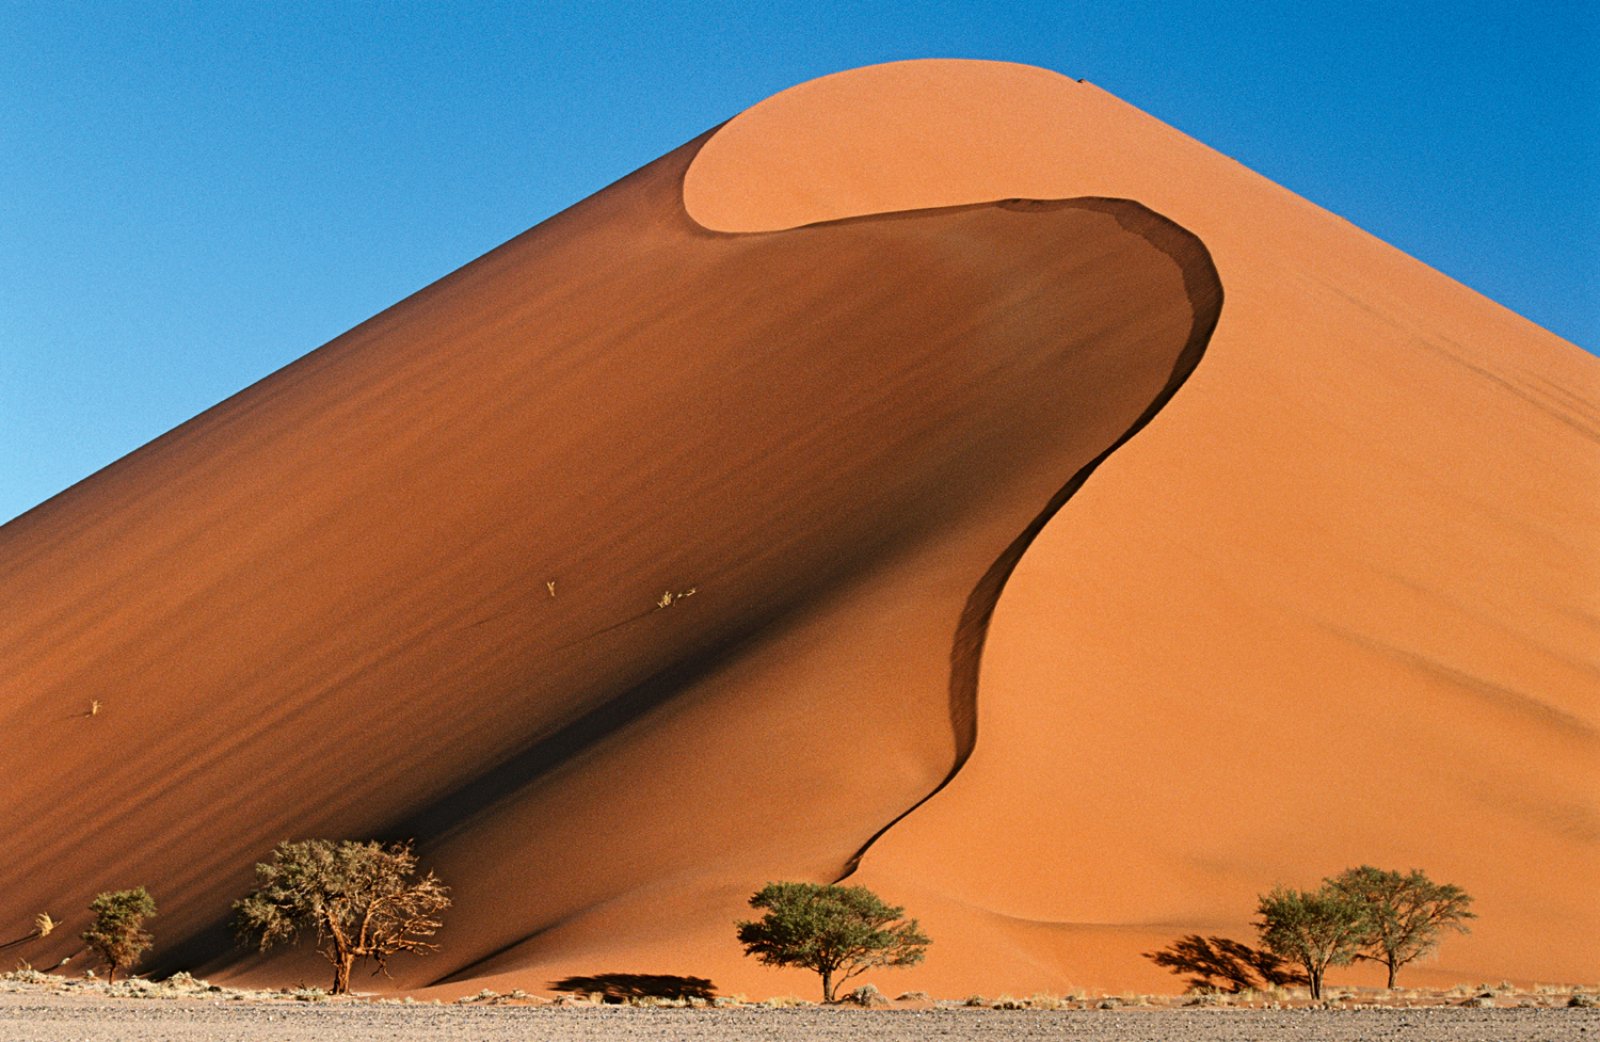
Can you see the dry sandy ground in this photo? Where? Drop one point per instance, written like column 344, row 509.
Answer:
column 53, row 1018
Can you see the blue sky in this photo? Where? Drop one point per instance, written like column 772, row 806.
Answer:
column 193, row 195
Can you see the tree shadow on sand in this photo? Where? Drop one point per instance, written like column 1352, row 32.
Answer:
column 1223, row 964
column 618, row 988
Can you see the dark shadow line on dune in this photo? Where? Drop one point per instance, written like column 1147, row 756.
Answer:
column 211, row 947
column 464, row 804
column 1204, row 290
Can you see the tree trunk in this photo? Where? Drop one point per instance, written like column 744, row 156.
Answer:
column 341, row 973
column 1316, row 984
column 111, row 978
column 827, row 985
column 1392, row 970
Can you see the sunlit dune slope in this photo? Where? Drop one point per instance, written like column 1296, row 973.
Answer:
column 897, row 533
column 1339, row 604
column 626, row 567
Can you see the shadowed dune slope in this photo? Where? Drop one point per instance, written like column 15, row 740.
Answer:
column 1339, row 604
column 824, row 368
column 623, row 569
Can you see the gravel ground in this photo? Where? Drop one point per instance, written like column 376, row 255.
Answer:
column 73, row 1018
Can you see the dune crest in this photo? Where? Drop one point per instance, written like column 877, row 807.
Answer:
column 615, row 515
column 650, row 556
column 1333, row 607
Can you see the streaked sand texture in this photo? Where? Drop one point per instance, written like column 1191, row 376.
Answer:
column 837, row 367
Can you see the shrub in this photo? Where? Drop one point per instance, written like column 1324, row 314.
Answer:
column 358, row 898
column 836, row 931
column 1315, row 929
column 868, row 995
column 117, row 934
column 1404, row 914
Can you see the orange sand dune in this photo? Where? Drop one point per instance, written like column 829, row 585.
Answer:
column 1337, row 605
column 824, row 368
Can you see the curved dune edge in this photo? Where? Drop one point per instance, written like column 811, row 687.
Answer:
column 340, row 574
column 627, row 917
column 1333, row 604
column 628, row 921
column 881, row 138
column 966, row 651
column 1391, row 475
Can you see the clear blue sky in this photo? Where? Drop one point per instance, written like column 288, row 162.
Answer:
column 193, row 195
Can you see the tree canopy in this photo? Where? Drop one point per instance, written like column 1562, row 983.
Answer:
column 117, row 934
column 358, row 898
column 1314, row 929
column 837, row 932
column 1405, row 915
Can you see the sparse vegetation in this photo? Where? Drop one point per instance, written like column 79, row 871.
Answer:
column 1314, row 929
column 1362, row 913
column 669, row 598
column 43, row 926
column 358, row 898
column 837, row 932
column 117, row 934
column 868, row 995
column 1403, row 915
column 182, row 987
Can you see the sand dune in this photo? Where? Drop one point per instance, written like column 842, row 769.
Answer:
column 843, row 368
column 1336, row 605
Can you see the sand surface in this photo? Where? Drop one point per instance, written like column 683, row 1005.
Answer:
column 37, row 1019
column 981, row 585
column 1339, row 604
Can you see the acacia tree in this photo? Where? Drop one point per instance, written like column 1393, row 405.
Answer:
column 1405, row 914
column 359, row 899
column 1315, row 929
column 837, row 932
column 117, row 934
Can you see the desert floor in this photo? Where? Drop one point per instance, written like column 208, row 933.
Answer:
column 51, row 1017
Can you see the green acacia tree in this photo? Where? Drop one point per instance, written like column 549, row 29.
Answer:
column 1314, row 929
column 358, row 898
column 1405, row 915
column 837, row 932
column 117, row 934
